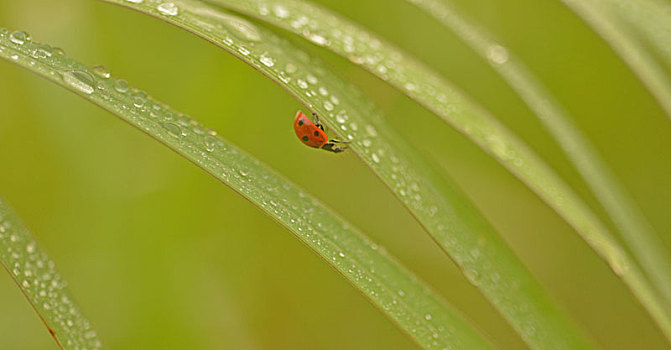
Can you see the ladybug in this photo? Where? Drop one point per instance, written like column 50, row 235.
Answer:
column 313, row 135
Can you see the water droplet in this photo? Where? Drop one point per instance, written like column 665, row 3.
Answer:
column 18, row 38
column 267, row 60
column 101, row 71
column 291, row 68
column 14, row 57
column 318, row 39
column 135, row 1
column 139, row 99
column 198, row 129
column 173, row 129
column 168, row 9
column 328, row 106
column 42, row 52
column 497, row 54
column 263, row 10
column 299, row 22
column 210, row 143
column 284, row 77
column 281, row 12
column 335, row 100
column 246, row 30
column 427, row 317
column 80, row 80
column 375, row 157
column 121, row 85
column 341, row 254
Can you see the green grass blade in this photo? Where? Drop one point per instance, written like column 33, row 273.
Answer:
column 426, row 87
column 652, row 18
column 420, row 83
column 644, row 241
column 32, row 270
column 604, row 21
column 392, row 288
column 446, row 213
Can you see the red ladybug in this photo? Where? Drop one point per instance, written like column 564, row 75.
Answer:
column 313, row 135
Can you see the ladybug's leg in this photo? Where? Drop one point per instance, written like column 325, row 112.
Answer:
column 332, row 147
column 338, row 141
column 317, row 123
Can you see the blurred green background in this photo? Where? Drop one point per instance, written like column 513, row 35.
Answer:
column 162, row 256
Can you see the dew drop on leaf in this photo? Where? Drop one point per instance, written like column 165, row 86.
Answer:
column 168, row 9
column 121, row 85
column 18, row 38
column 210, row 143
column 101, row 71
column 497, row 54
column 173, row 129
column 281, row 11
column 267, row 60
column 80, row 80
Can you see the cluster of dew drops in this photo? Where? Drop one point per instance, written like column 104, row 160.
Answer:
column 179, row 125
column 243, row 37
column 247, row 33
column 88, row 82
column 365, row 135
column 36, row 275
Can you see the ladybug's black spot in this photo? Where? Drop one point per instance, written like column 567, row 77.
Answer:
column 305, row 138
column 316, row 133
column 300, row 122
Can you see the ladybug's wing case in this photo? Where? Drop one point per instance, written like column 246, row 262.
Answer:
column 308, row 132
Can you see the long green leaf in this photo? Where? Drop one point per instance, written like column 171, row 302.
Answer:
column 639, row 235
column 446, row 213
column 32, row 270
column 392, row 288
column 426, row 87
column 605, row 22
column 420, row 83
column 652, row 18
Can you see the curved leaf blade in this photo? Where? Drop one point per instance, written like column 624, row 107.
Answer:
column 442, row 209
column 652, row 18
column 427, row 88
column 392, row 288
column 640, row 236
column 35, row 274
column 605, row 22
column 423, row 85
